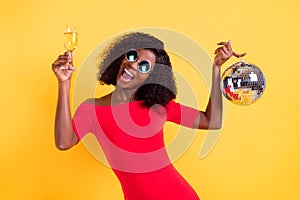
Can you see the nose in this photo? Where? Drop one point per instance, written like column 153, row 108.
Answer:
column 134, row 65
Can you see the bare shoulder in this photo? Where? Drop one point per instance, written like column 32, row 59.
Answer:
column 101, row 101
column 90, row 100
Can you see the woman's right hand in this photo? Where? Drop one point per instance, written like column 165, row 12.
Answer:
column 63, row 67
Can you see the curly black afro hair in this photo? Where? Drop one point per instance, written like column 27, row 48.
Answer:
column 160, row 87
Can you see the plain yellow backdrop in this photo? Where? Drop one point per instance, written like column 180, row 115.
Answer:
column 257, row 156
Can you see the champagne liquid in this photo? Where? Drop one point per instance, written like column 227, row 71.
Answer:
column 71, row 40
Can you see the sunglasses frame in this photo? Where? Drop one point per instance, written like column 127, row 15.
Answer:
column 139, row 61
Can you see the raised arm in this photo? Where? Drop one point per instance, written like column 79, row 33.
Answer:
column 212, row 117
column 63, row 130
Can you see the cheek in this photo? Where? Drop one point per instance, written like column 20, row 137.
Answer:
column 143, row 77
column 122, row 65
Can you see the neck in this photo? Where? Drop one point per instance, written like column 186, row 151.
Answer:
column 120, row 95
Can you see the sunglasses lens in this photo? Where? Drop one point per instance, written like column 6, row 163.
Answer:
column 144, row 66
column 131, row 55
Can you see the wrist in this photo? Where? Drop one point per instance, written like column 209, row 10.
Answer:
column 217, row 65
column 216, row 68
column 64, row 84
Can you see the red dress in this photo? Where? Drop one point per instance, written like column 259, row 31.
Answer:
column 131, row 136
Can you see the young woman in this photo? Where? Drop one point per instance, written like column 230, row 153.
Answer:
column 128, row 122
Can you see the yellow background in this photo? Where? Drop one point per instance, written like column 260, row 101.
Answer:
column 257, row 156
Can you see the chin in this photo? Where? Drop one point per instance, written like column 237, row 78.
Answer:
column 125, row 85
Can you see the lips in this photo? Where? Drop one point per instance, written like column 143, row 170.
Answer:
column 126, row 75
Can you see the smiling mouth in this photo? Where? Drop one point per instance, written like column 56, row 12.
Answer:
column 126, row 75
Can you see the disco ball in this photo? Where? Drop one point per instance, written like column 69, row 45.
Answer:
column 243, row 83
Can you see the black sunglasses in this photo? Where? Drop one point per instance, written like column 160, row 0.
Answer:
column 144, row 66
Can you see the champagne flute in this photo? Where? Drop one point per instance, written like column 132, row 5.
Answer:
column 70, row 38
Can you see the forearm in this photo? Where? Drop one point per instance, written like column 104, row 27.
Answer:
column 212, row 117
column 64, row 136
column 214, row 108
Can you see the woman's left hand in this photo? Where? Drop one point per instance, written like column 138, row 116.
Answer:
column 224, row 52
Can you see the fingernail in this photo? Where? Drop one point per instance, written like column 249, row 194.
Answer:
column 230, row 41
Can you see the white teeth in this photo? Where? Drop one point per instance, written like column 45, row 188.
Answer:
column 128, row 72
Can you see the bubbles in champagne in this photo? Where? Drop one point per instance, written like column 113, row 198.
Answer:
column 71, row 40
